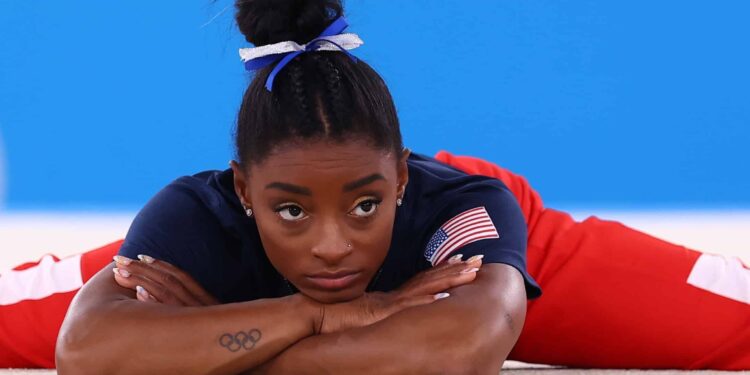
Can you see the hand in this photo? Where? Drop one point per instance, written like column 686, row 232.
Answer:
column 158, row 281
column 424, row 288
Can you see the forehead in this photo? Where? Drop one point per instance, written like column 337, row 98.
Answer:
column 324, row 160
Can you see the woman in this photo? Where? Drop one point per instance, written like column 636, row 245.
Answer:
column 329, row 247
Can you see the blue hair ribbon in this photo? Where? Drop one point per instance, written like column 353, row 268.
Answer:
column 334, row 29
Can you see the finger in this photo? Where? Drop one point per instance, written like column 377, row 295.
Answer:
column 187, row 282
column 476, row 260
column 143, row 295
column 453, row 280
column 455, row 259
column 414, row 301
column 130, row 280
column 432, row 285
column 452, row 261
column 134, row 274
column 192, row 286
column 168, row 283
column 416, row 285
column 446, row 268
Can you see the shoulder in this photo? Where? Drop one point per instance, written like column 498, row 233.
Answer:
column 438, row 191
column 459, row 213
column 196, row 223
column 191, row 206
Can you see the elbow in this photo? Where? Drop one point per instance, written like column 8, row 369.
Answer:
column 468, row 363
column 484, row 348
column 484, row 360
column 78, row 350
column 69, row 358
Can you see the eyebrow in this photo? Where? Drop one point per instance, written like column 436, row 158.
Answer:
column 363, row 181
column 296, row 189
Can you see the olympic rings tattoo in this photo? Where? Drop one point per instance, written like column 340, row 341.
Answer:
column 240, row 340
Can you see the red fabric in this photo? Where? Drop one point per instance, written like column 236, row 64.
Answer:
column 613, row 297
column 28, row 329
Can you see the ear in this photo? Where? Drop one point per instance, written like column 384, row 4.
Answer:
column 403, row 172
column 240, row 183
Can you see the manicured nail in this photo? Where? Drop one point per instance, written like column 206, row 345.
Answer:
column 455, row 259
column 470, row 270
column 475, row 258
column 122, row 260
column 120, row 272
column 142, row 292
column 146, row 258
column 442, row 295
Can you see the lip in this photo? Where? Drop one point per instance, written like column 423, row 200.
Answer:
column 335, row 280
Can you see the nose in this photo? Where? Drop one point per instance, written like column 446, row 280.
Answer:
column 331, row 246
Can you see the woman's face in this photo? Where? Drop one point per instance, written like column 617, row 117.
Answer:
column 325, row 213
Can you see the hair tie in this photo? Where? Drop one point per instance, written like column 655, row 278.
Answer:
column 331, row 39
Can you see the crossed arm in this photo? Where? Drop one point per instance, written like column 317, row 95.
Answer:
column 471, row 332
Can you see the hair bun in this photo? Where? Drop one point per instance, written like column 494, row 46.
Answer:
column 272, row 21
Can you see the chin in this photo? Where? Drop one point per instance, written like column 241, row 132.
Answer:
column 329, row 297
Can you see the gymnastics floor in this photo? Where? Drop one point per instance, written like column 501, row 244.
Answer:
column 26, row 236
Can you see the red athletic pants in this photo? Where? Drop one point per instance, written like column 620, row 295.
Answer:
column 613, row 297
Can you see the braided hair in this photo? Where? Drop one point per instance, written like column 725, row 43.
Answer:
column 322, row 95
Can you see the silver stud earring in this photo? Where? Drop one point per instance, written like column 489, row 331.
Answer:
column 399, row 202
column 249, row 212
column 348, row 244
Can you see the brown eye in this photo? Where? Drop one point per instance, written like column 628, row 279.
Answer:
column 366, row 208
column 291, row 212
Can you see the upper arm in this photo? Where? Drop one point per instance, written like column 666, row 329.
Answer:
column 490, row 223
column 502, row 287
column 177, row 227
column 496, row 301
column 98, row 295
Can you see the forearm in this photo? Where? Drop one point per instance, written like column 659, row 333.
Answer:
column 124, row 336
column 470, row 332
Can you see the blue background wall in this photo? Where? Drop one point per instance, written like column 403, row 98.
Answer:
column 627, row 104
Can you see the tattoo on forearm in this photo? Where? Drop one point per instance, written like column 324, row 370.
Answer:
column 240, row 340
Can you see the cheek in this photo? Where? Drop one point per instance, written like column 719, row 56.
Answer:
column 282, row 250
column 376, row 237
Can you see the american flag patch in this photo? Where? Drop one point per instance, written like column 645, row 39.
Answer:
column 469, row 226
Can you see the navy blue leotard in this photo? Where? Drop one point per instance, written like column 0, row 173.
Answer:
column 198, row 224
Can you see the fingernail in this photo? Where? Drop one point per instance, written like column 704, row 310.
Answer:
column 140, row 290
column 120, row 272
column 475, row 258
column 122, row 260
column 442, row 295
column 470, row 270
column 146, row 258
column 455, row 259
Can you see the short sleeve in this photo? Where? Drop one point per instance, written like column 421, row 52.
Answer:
column 483, row 219
column 176, row 226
